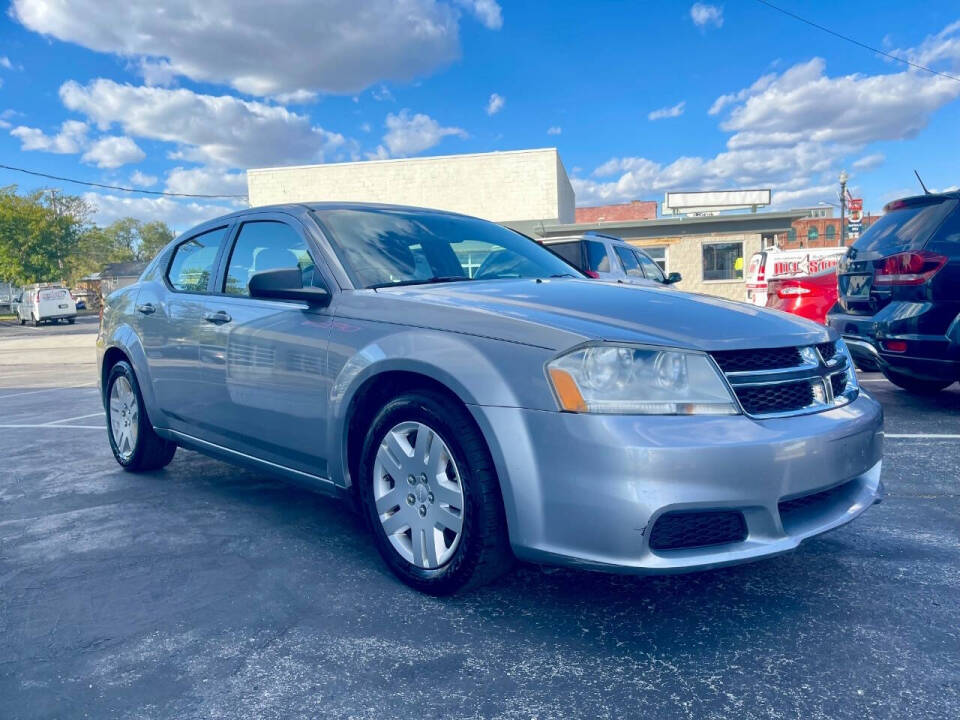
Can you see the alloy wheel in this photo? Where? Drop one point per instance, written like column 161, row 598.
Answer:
column 124, row 417
column 419, row 494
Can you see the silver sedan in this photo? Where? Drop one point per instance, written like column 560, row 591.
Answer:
column 479, row 400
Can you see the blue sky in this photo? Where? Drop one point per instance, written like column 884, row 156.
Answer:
column 639, row 97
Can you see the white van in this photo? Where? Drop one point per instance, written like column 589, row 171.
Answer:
column 46, row 302
column 769, row 264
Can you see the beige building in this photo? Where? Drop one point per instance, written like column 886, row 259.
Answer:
column 514, row 186
column 710, row 252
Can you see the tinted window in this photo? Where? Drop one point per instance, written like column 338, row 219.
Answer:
column 904, row 228
column 266, row 245
column 597, row 258
column 650, row 268
column 569, row 251
column 387, row 247
column 723, row 261
column 193, row 261
column 631, row 265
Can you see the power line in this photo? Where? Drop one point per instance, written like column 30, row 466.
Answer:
column 857, row 42
column 117, row 187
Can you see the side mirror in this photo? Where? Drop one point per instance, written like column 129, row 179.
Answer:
column 286, row 284
column 672, row 278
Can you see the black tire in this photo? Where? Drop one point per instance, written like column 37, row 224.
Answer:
column 483, row 552
column 71, row 321
column 915, row 385
column 22, row 321
column 36, row 322
column 152, row 452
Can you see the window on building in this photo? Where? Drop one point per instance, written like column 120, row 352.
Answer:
column 658, row 253
column 812, row 234
column 792, row 235
column 597, row 258
column 266, row 246
column 193, row 261
column 723, row 261
column 831, row 233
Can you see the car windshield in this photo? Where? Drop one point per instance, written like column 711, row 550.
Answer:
column 383, row 247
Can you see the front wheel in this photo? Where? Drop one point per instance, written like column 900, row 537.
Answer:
column 135, row 444
column 915, row 385
column 36, row 321
column 71, row 321
column 431, row 497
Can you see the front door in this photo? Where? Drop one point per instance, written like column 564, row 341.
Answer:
column 266, row 389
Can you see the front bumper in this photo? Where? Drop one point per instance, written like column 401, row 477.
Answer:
column 587, row 490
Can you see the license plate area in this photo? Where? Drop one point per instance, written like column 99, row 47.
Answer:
column 858, row 286
column 62, row 306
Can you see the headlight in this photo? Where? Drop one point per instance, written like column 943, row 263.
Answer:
column 853, row 383
column 637, row 380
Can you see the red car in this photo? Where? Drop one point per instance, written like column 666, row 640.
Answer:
column 810, row 296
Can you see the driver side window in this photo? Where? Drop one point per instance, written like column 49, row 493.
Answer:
column 266, row 245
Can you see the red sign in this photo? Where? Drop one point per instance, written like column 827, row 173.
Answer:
column 855, row 205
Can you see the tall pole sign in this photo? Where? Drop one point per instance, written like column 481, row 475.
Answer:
column 855, row 221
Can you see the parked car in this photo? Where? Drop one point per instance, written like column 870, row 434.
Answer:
column 477, row 419
column 81, row 304
column 15, row 303
column 46, row 302
column 899, row 293
column 809, row 296
column 605, row 257
column 774, row 264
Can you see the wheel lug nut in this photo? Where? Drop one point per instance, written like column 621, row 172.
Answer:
column 423, row 478
column 411, row 499
column 423, row 511
column 411, row 479
column 430, row 498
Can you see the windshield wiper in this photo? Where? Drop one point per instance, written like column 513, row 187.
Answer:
column 563, row 275
column 427, row 281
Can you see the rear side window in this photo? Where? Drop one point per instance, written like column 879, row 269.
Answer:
column 631, row 265
column 905, row 228
column 569, row 251
column 597, row 258
column 194, row 260
column 266, row 245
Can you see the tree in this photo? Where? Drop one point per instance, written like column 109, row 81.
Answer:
column 154, row 236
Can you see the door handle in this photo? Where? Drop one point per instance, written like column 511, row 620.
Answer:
column 147, row 308
column 218, row 318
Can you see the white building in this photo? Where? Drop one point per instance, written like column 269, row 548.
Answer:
column 507, row 187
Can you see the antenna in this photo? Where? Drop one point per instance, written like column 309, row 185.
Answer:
column 925, row 191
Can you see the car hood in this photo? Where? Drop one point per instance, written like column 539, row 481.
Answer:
column 558, row 313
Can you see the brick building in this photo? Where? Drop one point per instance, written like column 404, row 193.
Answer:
column 816, row 232
column 634, row 210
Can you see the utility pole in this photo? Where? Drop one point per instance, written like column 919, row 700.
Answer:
column 843, row 207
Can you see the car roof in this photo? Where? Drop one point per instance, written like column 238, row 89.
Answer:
column 301, row 207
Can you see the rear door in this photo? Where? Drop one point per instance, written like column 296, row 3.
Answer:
column 597, row 260
column 266, row 390
column 168, row 319
column 571, row 251
column 904, row 229
column 630, row 263
column 55, row 302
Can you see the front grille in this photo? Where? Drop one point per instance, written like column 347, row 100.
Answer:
column 676, row 530
column 781, row 397
column 827, row 350
column 760, row 359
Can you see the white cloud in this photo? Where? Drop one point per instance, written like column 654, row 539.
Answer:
column 5, row 62
column 217, row 130
column 944, row 47
column 554, row 130
column 340, row 46
column 869, row 162
column 703, row 14
column 487, row 12
column 761, row 84
column 113, row 151
column 495, row 104
column 411, row 134
column 178, row 214
column 804, row 104
column 142, row 179
column 382, row 94
column 668, row 112
column 71, row 139
column 206, row 181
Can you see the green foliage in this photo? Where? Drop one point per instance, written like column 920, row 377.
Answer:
column 46, row 236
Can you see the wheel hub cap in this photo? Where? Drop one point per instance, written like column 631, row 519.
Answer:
column 418, row 494
column 124, row 413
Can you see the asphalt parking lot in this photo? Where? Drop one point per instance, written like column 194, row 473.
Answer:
column 210, row 591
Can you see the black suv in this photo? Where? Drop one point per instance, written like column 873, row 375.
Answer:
column 899, row 293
